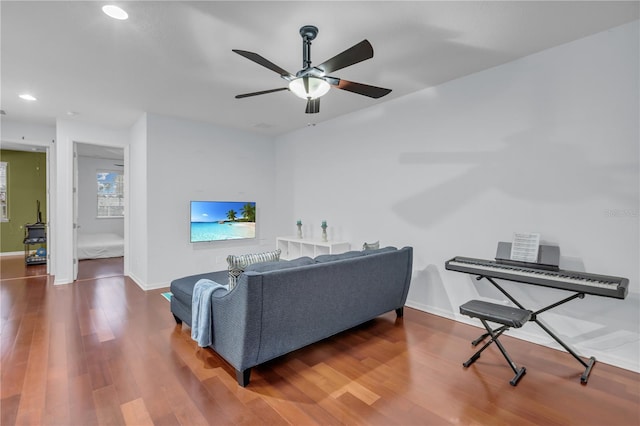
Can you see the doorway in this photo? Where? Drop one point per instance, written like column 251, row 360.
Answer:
column 99, row 223
column 26, row 203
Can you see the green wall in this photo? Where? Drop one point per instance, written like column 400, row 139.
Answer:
column 26, row 183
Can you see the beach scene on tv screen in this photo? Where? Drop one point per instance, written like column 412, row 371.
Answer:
column 222, row 220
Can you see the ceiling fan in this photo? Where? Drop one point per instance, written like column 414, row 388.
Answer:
column 312, row 82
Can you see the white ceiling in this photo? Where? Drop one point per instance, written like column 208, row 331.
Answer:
column 174, row 58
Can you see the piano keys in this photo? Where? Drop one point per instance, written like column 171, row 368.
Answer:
column 581, row 282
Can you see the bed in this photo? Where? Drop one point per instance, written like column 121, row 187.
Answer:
column 99, row 246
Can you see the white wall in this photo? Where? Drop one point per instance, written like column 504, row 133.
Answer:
column 196, row 161
column 548, row 144
column 172, row 162
column 26, row 133
column 88, row 221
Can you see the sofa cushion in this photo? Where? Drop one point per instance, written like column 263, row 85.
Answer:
column 333, row 257
column 280, row 264
column 182, row 288
column 238, row 263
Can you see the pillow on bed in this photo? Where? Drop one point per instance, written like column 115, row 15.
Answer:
column 238, row 263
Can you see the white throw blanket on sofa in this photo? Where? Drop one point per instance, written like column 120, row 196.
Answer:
column 201, row 317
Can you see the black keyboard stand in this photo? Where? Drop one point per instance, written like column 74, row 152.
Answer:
column 534, row 317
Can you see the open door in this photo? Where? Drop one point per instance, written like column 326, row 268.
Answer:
column 75, row 211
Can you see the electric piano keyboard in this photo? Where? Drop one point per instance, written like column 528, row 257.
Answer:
column 581, row 282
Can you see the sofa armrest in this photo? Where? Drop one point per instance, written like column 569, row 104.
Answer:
column 237, row 325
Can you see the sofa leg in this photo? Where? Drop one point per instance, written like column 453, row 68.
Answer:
column 243, row 377
column 178, row 320
column 400, row 312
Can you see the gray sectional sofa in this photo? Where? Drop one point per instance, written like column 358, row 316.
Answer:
column 278, row 307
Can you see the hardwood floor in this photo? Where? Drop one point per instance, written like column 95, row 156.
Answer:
column 102, row 351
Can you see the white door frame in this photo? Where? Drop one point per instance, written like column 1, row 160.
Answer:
column 127, row 210
column 75, row 211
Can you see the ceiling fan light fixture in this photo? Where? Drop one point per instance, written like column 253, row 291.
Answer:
column 311, row 83
column 317, row 87
column 115, row 12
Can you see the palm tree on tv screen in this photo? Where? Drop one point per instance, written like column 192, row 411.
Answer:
column 231, row 215
column 249, row 212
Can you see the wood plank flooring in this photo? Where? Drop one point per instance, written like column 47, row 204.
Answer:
column 103, row 352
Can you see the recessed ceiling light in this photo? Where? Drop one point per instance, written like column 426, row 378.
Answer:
column 27, row 97
column 115, row 12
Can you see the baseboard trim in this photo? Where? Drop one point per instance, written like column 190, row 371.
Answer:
column 157, row 286
column 12, row 253
column 146, row 287
column 136, row 280
column 61, row 281
column 601, row 356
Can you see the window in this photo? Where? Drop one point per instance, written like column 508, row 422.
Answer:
column 110, row 193
column 4, row 210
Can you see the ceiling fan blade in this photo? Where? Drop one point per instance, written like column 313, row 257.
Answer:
column 264, row 62
column 264, row 92
column 358, row 53
column 362, row 89
column 313, row 106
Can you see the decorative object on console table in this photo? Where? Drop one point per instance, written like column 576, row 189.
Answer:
column 299, row 225
column 371, row 246
column 324, row 231
column 293, row 247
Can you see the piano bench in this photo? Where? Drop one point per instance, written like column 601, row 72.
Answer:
column 501, row 314
column 508, row 317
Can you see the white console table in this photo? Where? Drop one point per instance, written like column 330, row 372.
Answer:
column 294, row 247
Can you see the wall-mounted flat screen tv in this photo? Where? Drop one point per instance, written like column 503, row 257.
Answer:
column 222, row 220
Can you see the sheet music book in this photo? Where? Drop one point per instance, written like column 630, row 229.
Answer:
column 525, row 247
